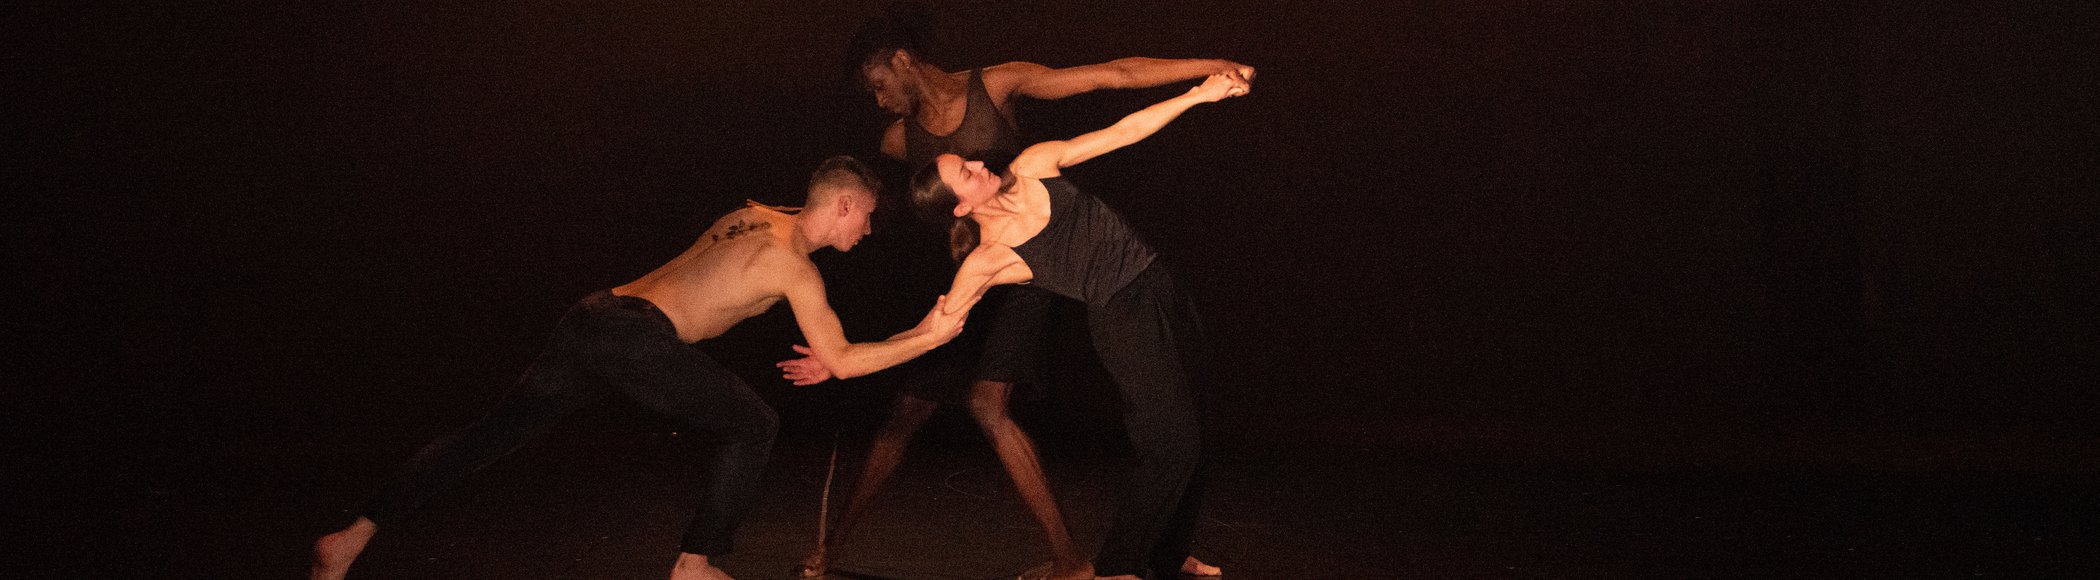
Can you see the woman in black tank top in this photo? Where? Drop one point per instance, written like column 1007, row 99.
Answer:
column 1037, row 228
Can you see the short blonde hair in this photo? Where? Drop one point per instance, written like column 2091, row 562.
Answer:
column 838, row 173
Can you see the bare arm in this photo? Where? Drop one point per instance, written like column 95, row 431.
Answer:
column 1047, row 158
column 827, row 338
column 987, row 266
column 971, row 281
column 893, row 140
column 810, row 370
column 1036, row 81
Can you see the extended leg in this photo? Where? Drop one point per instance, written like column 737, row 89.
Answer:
column 906, row 416
column 547, row 392
column 988, row 403
column 1153, row 519
column 1144, row 336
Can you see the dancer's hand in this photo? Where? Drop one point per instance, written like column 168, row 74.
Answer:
column 943, row 324
column 804, row 371
column 1220, row 86
column 1240, row 72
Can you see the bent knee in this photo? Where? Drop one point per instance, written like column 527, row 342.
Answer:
column 765, row 425
column 990, row 412
column 1173, row 441
column 988, row 400
column 910, row 407
column 759, row 424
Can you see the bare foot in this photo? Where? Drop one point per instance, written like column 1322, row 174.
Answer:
column 1056, row 571
column 816, row 565
column 333, row 553
column 1194, row 567
column 1081, row 570
column 1190, row 568
column 696, row 567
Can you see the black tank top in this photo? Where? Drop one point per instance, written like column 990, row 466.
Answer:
column 984, row 134
column 1086, row 251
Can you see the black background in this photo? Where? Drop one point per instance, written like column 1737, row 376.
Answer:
column 1659, row 233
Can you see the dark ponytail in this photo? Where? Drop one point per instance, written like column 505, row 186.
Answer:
column 962, row 237
column 934, row 202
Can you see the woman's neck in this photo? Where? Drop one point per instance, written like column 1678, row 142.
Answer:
column 996, row 214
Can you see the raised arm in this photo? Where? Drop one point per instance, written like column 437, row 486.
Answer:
column 1046, row 158
column 820, row 325
column 1036, row 81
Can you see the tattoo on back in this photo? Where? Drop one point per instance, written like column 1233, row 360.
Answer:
column 738, row 230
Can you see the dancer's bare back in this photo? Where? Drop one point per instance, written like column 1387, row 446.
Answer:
column 744, row 264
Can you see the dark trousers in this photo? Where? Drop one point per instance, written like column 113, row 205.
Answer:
column 1147, row 336
column 610, row 344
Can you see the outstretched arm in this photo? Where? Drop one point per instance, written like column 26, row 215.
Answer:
column 978, row 273
column 1036, row 81
column 810, row 369
column 1046, row 158
column 827, row 338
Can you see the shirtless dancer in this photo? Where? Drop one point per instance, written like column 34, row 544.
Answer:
column 970, row 113
column 634, row 340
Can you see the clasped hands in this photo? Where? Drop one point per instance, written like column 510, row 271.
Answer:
column 938, row 323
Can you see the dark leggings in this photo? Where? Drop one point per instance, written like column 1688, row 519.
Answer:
column 613, row 344
column 1146, row 335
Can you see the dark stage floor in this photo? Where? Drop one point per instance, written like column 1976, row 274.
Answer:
column 605, row 497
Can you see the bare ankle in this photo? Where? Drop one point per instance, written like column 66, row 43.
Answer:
column 333, row 553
